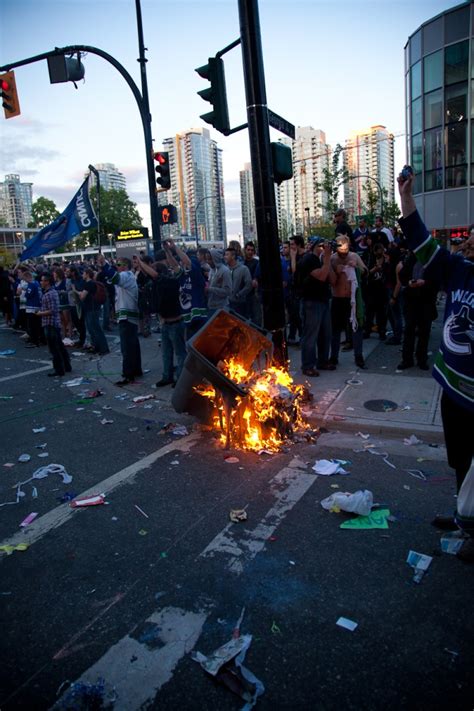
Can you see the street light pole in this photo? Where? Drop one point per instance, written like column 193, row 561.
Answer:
column 369, row 177
column 206, row 197
column 97, row 177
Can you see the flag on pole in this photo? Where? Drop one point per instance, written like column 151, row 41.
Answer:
column 78, row 216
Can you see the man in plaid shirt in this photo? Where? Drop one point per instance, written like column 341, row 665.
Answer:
column 51, row 323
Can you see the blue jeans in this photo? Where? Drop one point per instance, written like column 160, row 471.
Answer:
column 130, row 347
column 173, row 344
column 316, row 333
column 95, row 331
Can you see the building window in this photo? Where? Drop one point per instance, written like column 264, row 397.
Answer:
column 416, row 116
column 417, row 161
column 433, row 36
column 456, row 103
column 415, row 48
column 456, row 25
column 456, row 60
column 455, row 159
column 416, row 81
column 434, row 159
column 434, row 109
column 433, row 71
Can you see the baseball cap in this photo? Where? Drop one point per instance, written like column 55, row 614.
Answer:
column 316, row 240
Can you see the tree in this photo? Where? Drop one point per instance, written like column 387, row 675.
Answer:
column 43, row 212
column 333, row 176
column 372, row 198
column 391, row 210
column 117, row 212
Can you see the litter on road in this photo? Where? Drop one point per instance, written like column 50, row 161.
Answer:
column 360, row 502
column 237, row 515
column 9, row 549
column 327, row 467
column 347, row 624
column 452, row 542
column 142, row 398
column 24, row 458
column 377, row 519
column 29, row 519
column 226, row 666
column 420, row 563
column 408, row 441
column 94, row 500
column 39, row 429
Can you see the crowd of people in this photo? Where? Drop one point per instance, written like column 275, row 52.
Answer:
column 356, row 285
column 353, row 286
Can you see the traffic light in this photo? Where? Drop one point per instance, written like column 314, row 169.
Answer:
column 216, row 95
column 163, row 169
column 282, row 162
column 168, row 215
column 10, row 102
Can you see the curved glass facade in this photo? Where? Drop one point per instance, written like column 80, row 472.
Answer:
column 439, row 91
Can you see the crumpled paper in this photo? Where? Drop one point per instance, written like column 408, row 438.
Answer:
column 327, row 467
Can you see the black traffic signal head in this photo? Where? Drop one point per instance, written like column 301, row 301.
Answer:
column 282, row 161
column 216, row 94
column 163, row 169
column 10, row 101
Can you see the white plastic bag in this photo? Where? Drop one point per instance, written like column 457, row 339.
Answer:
column 465, row 502
column 360, row 502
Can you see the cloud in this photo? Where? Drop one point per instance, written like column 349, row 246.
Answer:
column 21, row 157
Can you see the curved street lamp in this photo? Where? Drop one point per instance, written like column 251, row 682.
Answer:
column 199, row 203
column 369, row 177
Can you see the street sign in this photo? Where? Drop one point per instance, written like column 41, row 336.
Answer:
column 281, row 124
column 141, row 233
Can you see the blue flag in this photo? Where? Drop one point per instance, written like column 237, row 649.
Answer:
column 78, row 216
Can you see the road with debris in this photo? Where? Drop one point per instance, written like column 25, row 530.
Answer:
column 128, row 590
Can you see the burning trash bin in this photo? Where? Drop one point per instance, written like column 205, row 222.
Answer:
column 228, row 381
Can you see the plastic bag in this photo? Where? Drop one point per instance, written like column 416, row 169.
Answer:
column 360, row 502
column 465, row 502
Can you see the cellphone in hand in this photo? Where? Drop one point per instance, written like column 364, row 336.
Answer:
column 406, row 172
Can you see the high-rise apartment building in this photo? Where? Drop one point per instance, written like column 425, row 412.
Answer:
column 16, row 199
column 247, row 203
column 110, row 178
column 368, row 157
column 197, row 186
column 301, row 200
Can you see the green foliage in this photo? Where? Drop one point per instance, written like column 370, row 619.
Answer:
column 117, row 212
column 391, row 210
column 372, row 198
column 43, row 212
column 333, row 176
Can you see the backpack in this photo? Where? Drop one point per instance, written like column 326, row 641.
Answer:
column 100, row 295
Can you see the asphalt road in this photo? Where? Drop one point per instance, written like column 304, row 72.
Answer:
column 117, row 593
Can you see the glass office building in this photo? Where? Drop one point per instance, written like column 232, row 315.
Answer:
column 439, row 90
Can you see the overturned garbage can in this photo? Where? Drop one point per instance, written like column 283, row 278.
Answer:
column 225, row 335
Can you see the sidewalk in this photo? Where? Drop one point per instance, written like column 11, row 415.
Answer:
column 377, row 400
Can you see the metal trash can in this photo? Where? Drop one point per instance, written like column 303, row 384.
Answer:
column 226, row 334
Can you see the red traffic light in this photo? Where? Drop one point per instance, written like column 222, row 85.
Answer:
column 5, row 85
column 161, row 158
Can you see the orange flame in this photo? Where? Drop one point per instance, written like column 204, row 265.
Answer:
column 267, row 416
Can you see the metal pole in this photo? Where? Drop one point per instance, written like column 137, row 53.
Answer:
column 155, row 222
column 97, row 177
column 262, row 174
column 144, row 114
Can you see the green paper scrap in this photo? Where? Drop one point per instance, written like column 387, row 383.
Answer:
column 275, row 629
column 376, row 519
column 9, row 549
column 163, row 554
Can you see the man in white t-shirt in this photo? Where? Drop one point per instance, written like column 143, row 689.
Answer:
column 379, row 227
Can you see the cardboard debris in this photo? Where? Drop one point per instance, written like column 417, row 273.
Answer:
column 420, row 563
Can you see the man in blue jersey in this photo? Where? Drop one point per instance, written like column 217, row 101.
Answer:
column 454, row 364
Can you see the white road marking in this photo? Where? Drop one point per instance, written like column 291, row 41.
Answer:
column 138, row 670
column 62, row 513
column 240, row 544
column 27, row 372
